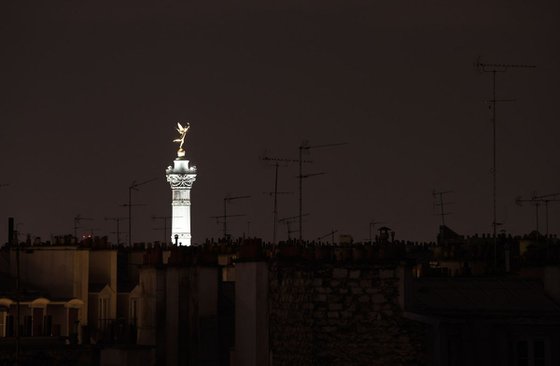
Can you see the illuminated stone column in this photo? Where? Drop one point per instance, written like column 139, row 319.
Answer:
column 181, row 178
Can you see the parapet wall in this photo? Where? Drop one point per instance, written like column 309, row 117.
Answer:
column 340, row 314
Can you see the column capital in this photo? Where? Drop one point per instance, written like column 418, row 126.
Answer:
column 181, row 181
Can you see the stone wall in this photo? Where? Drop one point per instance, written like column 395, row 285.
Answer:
column 340, row 314
column 47, row 352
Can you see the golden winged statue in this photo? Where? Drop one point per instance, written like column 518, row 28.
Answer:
column 183, row 132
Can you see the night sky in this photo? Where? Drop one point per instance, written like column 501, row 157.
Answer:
column 92, row 92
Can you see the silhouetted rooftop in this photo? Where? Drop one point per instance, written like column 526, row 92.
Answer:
column 482, row 297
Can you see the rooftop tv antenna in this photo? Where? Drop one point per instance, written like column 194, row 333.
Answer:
column 331, row 234
column 289, row 228
column 18, row 232
column 221, row 217
column 546, row 198
column 118, row 222
column 164, row 219
column 276, row 163
column 12, row 241
column 225, row 216
column 519, row 201
column 133, row 187
column 289, row 221
column 371, row 225
column 92, row 232
column 494, row 69
column 77, row 220
column 537, row 200
column 275, row 209
column 304, row 146
column 440, row 203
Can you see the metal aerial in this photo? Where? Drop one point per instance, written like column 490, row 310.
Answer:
column 494, row 68
column 77, row 219
column 439, row 204
column 117, row 220
column 276, row 163
column 164, row 219
column 546, row 198
column 289, row 221
column 133, row 187
column 305, row 147
column 537, row 200
column 331, row 234
column 371, row 226
column 225, row 216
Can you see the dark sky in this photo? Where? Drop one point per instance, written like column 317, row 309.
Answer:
column 92, row 90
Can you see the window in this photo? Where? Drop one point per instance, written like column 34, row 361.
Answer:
column 47, row 325
column 522, row 353
column 133, row 311
column 9, row 326
column 2, row 323
column 38, row 321
column 532, row 352
column 73, row 321
column 103, row 312
column 27, row 325
column 454, row 349
column 539, row 354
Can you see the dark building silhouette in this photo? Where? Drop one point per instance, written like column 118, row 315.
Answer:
column 458, row 301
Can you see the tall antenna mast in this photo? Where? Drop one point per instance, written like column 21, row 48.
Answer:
column 537, row 203
column 438, row 196
column 118, row 222
column 537, row 200
column 228, row 199
column 371, row 225
column 133, row 186
column 222, row 217
column 275, row 210
column 546, row 198
column 495, row 68
column 77, row 220
column 331, row 234
column 164, row 228
column 276, row 165
column 288, row 221
column 305, row 147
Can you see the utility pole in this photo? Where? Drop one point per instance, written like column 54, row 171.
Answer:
column 495, row 68
column 306, row 147
column 133, row 186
